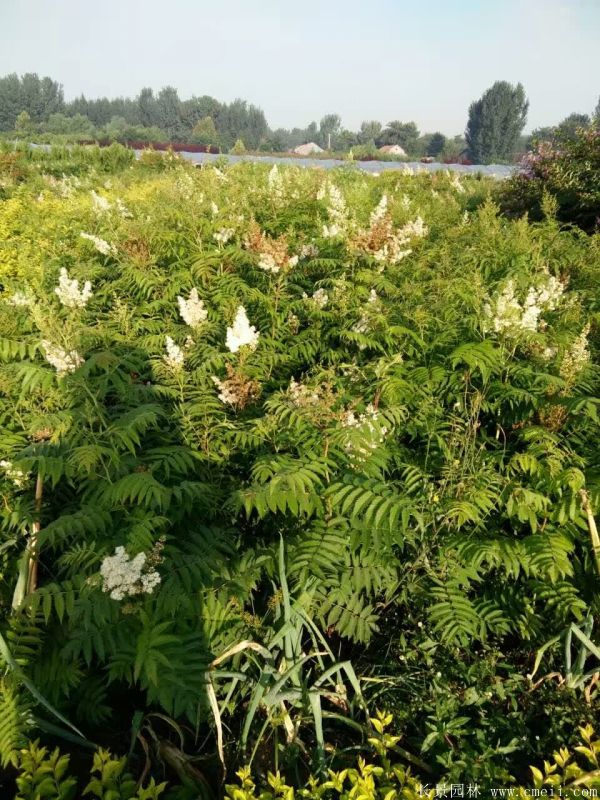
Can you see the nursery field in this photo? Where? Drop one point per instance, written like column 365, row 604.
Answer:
column 299, row 473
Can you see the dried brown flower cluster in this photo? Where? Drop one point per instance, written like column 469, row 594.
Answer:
column 237, row 390
column 274, row 253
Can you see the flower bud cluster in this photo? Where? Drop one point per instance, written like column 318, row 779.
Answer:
column 124, row 577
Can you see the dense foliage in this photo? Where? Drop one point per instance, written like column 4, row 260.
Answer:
column 561, row 177
column 282, row 447
column 496, row 122
column 31, row 106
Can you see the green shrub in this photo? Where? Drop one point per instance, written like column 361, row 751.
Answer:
column 44, row 774
column 275, row 441
column 567, row 170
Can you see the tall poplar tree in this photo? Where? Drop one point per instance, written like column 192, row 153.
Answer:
column 496, row 122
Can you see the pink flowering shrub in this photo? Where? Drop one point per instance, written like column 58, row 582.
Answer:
column 568, row 171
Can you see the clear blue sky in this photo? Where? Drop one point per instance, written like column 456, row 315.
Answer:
column 424, row 60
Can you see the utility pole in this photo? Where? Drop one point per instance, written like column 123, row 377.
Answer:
column 329, row 141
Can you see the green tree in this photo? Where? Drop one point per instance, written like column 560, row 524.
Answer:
column 197, row 108
column 567, row 129
column 543, row 134
column 403, row 133
column 596, row 114
column 436, row 144
column 369, row 130
column 10, row 101
column 168, row 107
column 147, row 107
column 239, row 148
column 495, row 123
column 23, row 123
column 204, row 132
column 329, row 129
column 77, row 125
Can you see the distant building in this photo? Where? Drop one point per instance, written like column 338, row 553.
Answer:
column 308, row 149
column 392, row 150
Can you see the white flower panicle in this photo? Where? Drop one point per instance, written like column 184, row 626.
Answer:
column 124, row 577
column 391, row 252
column 416, row 229
column 14, row 474
column 174, row 356
column 192, row 310
column 63, row 361
column 456, row 184
column 124, row 212
column 241, row 334
column 20, row 300
column 227, row 393
column 101, row 245
column 319, row 297
column 100, row 204
column 268, row 263
column 506, row 314
column 340, row 221
column 303, row 396
column 380, row 211
column 576, row 357
column 309, row 251
column 364, row 323
column 276, row 186
column 223, row 236
column 184, row 184
column 68, row 291
column 214, row 208
column 368, row 432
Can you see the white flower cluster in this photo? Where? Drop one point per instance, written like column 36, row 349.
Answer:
column 268, row 263
column 125, row 577
column 276, row 185
column 302, row 395
column 576, row 357
column 192, row 310
column 184, row 185
column 319, row 297
column 309, row 250
column 14, row 474
column 241, row 333
column 100, row 204
column 456, row 184
column 122, row 209
column 223, row 236
column 63, row 361
column 380, row 211
column 65, row 186
column 391, row 252
column 101, row 245
column 174, row 356
column 364, row 323
column 20, row 300
column 390, row 244
column 227, row 393
column 416, row 229
column 339, row 217
column 507, row 314
column 68, row 291
column 371, row 432
column 214, row 208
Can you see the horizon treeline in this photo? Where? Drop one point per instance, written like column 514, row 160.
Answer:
column 30, row 105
